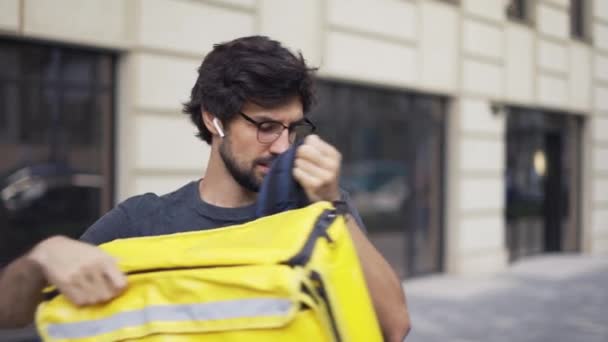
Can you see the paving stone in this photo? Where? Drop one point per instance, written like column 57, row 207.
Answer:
column 549, row 298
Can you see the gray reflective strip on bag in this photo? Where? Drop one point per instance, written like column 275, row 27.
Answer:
column 173, row 313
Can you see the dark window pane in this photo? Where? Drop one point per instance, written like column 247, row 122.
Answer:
column 516, row 10
column 40, row 64
column 77, row 67
column 9, row 61
column 391, row 144
column 9, row 110
column 39, row 114
column 577, row 18
column 79, row 117
column 55, row 126
column 104, row 70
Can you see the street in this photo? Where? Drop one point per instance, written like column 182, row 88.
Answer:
column 548, row 298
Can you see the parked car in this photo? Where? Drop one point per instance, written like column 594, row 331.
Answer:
column 376, row 186
column 45, row 199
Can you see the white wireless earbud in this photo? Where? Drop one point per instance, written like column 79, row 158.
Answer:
column 217, row 126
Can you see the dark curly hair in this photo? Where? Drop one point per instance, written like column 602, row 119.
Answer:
column 255, row 69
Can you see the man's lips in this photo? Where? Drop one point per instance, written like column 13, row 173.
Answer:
column 263, row 166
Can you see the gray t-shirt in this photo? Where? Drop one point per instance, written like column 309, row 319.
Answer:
column 180, row 211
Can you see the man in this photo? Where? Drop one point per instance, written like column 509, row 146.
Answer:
column 248, row 103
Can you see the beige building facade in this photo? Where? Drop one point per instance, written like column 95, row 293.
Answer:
column 467, row 51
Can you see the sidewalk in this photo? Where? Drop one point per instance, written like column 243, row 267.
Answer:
column 548, row 298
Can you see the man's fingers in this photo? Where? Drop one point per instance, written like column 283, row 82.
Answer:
column 115, row 278
column 317, row 169
column 74, row 288
column 106, row 281
column 73, row 295
column 306, row 180
column 86, row 286
column 84, row 273
column 314, row 170
column 92, row 284
column 100, row 289
column 310, row 153
column 323, row 147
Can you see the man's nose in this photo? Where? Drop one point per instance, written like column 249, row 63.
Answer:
column 281, row 144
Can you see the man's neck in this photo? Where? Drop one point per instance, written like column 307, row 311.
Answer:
column 219, row 188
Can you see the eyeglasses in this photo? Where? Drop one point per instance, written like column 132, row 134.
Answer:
column 269, row 131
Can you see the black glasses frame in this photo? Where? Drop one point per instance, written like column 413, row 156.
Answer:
column 290, row 128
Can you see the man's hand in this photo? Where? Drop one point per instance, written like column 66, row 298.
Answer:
column 317, row 169
column 83, row 273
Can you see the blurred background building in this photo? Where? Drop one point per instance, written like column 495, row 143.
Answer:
column 474, row 132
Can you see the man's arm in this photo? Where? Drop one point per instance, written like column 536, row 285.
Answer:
column 21, row 284
column 383, row 284
column 317, row 169
column 82, row 272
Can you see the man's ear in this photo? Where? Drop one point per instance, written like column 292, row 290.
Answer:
column 212, row 124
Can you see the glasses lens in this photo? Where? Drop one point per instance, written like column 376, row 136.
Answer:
column 269, row 131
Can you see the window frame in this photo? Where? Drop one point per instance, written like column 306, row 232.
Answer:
column 579, row 27
column 96, row 87
column 525, row 15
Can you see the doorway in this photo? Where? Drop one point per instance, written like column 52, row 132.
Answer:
column 542, row 182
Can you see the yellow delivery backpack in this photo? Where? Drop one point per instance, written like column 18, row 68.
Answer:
column 292, row 276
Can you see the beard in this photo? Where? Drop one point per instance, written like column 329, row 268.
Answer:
column 244, row 176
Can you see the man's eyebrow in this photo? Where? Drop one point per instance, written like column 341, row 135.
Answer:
column 262, row 117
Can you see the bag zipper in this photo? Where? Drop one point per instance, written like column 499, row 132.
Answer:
column 326, row 218
column 322, row 292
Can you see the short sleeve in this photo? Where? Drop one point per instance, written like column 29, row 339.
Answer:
column 113, row 225
column 121, row 222
column 353, row 210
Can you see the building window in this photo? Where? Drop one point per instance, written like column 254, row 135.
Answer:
column 392, row 148
column 56, row 112
column 517, row 10
column 577, row 19
column 542, row 182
